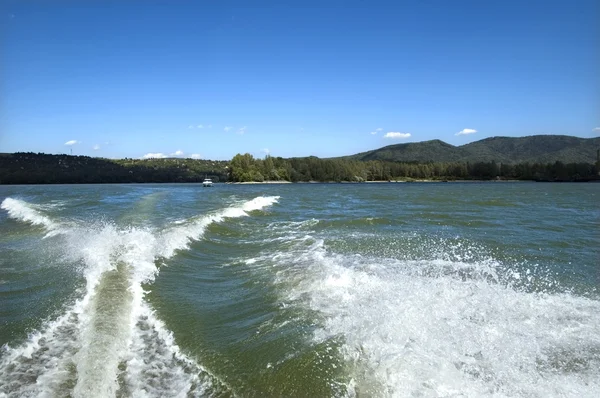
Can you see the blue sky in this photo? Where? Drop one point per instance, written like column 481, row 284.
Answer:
column 326, row 78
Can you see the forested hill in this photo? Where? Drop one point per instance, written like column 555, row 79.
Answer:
column 512, row 150
column 40, row 168
column 539, row 158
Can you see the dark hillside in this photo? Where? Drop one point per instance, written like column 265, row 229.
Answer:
column 39, row 168
column 532, row 149
column 426, row 151
column 539, row 158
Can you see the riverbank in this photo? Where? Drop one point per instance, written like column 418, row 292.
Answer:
column 256, row 182
column 371, row 182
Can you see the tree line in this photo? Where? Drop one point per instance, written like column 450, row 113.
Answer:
column 39, row 168
column 32, row 168
column 246, row 168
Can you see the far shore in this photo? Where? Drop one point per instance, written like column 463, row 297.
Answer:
column 369, row 182
column 264, row 182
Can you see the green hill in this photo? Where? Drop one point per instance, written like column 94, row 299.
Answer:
column 424, row 151
column 40, row 168
column 533, row 149
column 539, row 158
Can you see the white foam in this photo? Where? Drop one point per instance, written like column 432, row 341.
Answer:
column 444, row 328
column 111, row 324
column 83, row 346
column 156, row 366
column 117, row 262
column 40, row 366
column 27, row 212
column 179, row 236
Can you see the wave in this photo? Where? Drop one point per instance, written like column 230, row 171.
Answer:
column 29, row 213
column 182, row 233
column 441, row 327
column 109, row 342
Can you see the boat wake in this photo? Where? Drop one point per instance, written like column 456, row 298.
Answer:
column 29, row 213
column 110, row 341
column 439, row 327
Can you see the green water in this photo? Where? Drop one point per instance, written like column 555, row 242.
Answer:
column 300, row 290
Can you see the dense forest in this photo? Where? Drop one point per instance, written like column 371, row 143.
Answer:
column 32, row 168
column 247, row 168
column 537, row 158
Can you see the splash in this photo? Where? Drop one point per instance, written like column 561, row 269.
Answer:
column 109, row 342
column 442, row 327
column 179, row 236
column 29, row 213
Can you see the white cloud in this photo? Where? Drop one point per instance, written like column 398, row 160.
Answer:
column 190, row 127
column 265, row 150
column 242, row 130
column 200, row 126
column 227, row 128
column 195, row 156
column 466, row 131
column 373, row 132
column 394, row 135
column 154, row 156
column 178, row 152
column 71, row 142
column 379, row 129
column 597, row 129
column 96, row 147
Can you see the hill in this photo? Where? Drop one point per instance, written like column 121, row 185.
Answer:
column 539, row 158
column 39, row 168
column 512, row 150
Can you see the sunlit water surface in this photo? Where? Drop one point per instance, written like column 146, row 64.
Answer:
column 307, row 290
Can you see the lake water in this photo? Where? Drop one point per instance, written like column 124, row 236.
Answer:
column 300, row 290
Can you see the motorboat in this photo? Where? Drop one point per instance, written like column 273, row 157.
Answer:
column 207, row 182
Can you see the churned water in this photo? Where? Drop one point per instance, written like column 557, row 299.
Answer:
column 303, row 290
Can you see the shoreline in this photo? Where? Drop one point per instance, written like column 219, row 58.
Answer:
column 385, row 182
column 256, row 182
column 309, row 182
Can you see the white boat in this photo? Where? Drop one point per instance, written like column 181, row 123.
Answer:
column 207, row 182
